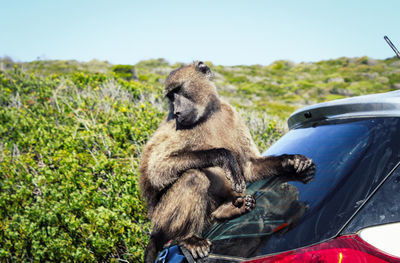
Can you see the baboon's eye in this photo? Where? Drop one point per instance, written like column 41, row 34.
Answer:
column 177, row 89
column 170, row 95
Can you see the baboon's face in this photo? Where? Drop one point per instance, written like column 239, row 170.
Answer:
column 191, row 93
column 185, row 109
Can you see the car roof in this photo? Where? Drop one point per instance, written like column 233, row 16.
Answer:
column 375, row 105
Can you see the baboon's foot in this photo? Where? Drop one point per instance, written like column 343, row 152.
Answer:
column 198, row 247
column 245, row 203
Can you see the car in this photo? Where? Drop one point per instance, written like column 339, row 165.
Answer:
column 349, row 212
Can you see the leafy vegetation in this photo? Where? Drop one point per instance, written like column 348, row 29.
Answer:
column 71, row 135
column 282, row 87
column 69, row 153
column 126, row 72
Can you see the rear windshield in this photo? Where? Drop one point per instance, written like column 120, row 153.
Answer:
column 351, row 159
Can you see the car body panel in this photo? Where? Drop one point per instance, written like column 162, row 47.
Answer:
column 355, row 144
column 375, row 105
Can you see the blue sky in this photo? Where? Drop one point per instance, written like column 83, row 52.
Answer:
column 223, row 32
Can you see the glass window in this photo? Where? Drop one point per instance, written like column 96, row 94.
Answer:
column 382, row 208
column 352, row 157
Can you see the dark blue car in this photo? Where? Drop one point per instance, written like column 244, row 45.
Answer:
column 349, row 212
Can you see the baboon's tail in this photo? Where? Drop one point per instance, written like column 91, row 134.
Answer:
column 157, row 240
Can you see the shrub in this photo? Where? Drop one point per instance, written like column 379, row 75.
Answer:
column 264, row 129
column 126, row 72
column 69, row 153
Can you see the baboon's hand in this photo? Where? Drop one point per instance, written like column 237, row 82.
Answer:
column 227, row 161
column 302, row 166
column 234, row 174
column 237, row 180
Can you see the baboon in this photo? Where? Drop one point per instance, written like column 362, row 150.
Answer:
column 195, row 166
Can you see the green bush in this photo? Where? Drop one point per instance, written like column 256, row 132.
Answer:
column 126, row 72
column 69, row 151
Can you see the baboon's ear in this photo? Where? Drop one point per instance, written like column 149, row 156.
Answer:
column 203, row 68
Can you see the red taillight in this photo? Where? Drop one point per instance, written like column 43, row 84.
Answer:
column 339, row 250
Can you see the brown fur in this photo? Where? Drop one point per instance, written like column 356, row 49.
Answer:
column 183, row 184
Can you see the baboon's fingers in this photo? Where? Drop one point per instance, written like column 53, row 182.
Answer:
column 300, row 166
column 250, row 203
column 198, row 247
column 203, row 251
column 306, row 164
column 238, row 188
column 200, row 252
column 194, row 253
column 296, row 163
column 208, row 245
column 243, row 185
column 310, row 163
column 288, row 162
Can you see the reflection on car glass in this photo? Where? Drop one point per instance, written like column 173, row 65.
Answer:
column 279, row 207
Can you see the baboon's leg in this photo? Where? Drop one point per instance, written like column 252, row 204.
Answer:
column 182, row 212
column 239, row 207
column 156, row 243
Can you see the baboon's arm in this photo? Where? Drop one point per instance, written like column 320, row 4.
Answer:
column 295, row 167
column 167, row 171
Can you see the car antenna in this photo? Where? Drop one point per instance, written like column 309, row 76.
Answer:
column 392, row 46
